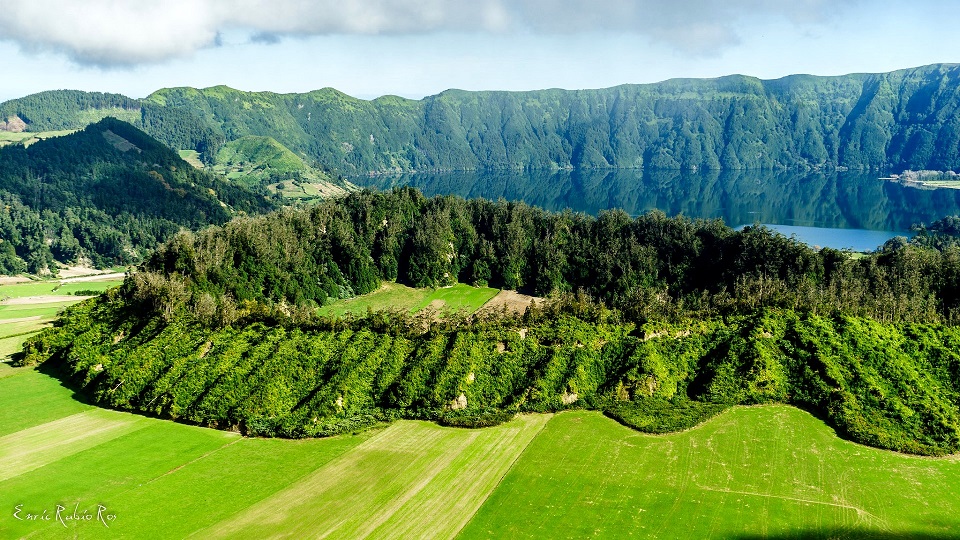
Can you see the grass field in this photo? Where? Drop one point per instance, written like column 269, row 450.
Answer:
column 757, row 472
column 26, row 308
column 393, row 296
column 192, row 157
column 28, row 138
column 752, row 472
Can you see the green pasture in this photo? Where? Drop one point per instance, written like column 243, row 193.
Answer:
column 192, row 157
column 29, row 137
column 53, row 287
column 749, row 473
column 752, row 472
column 18, row 321
column 394, row 296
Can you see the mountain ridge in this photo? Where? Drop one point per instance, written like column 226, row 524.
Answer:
column 904, row 119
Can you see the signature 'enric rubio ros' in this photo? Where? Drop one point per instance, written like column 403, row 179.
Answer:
column 60, row 515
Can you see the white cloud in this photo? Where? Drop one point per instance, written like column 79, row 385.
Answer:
column 118, row 32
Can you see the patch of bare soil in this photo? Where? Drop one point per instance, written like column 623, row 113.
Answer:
column 14, row 124
column 97, row 277
column 510, row 302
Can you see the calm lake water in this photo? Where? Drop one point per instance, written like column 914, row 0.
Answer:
column 841, row 210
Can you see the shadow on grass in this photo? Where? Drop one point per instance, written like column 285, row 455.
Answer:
column 847, row 534
column 50, row 369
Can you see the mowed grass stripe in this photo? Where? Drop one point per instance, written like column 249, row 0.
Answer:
column 223, row 483
column 29, row 398
column 404, row 471
column 770, row 471
column 108, row 474
column 456, row 493
column 35, row 447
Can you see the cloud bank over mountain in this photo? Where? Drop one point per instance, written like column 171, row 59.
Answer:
column 112, row 33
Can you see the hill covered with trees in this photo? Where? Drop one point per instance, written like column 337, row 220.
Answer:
column 107, row 194
column 658, row 321
column 901, row 120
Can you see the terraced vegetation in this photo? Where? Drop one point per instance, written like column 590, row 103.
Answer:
column 752, row 472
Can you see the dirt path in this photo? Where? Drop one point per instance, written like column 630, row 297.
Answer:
column 52, row 299
column 98, row 277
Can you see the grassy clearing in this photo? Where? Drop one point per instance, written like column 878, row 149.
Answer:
column 192, row 157
column 28, row 137
column 771, row 471
column 393, row 296
column 413, row 480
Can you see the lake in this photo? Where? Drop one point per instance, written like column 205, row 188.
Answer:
column 838, row 209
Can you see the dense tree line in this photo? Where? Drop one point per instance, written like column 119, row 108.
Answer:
column 108, row 194
column 56, row 110
column 649, row 266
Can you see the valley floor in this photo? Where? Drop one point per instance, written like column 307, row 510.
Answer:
column 752, row 472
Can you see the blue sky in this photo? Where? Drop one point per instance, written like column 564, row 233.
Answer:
column 415, row 48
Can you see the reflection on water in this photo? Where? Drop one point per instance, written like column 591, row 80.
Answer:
column 846, row 200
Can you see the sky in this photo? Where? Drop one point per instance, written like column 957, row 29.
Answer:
column 414, row 48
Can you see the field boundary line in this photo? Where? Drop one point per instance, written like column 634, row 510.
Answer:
column 504, row 475
column 858, row 510
column 194, row 460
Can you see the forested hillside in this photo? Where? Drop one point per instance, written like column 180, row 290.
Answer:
column 902, row 120
column 658, row 321
column 107, row 194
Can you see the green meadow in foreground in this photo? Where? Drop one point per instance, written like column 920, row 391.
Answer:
column 751, row 472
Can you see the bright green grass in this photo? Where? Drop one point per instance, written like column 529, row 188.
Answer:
column 46, row 310
column 459, row 297
column 413, row 480
column 53, row 287
column 161, row 479
column 393, row 296
column 752, row 472
column 31, row 398
column 16, row 329
column 760, row 472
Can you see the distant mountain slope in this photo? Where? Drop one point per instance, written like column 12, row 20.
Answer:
column 903, row 119
column 108, row 194
column 263, row 162
column 65, row 109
